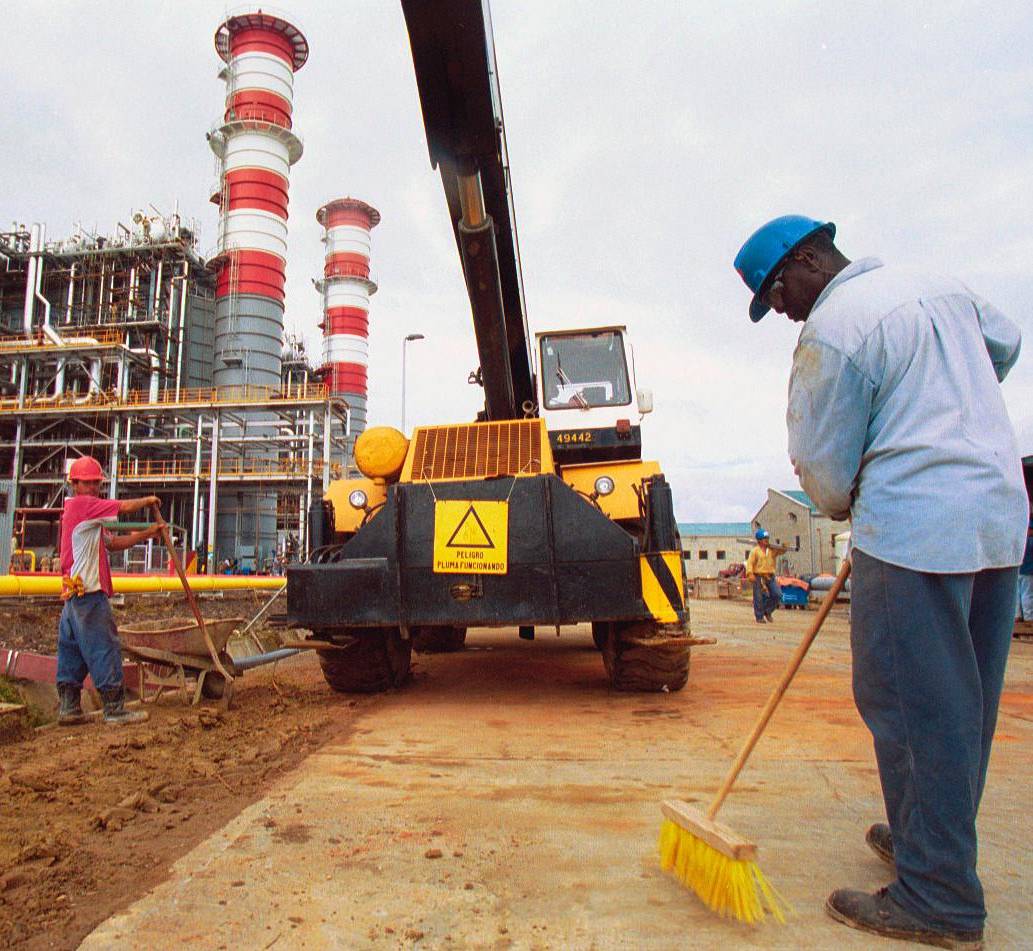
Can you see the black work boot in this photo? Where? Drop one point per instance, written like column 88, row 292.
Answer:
column 880, row 914
column 115, row 711
column 880, row 841
column 70, row 711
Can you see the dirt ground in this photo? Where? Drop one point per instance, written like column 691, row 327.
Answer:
column 505, row 798
column 30, row 624
column 92, row 816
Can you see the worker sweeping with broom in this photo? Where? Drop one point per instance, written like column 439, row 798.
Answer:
column 87, row 637
column 896, row 420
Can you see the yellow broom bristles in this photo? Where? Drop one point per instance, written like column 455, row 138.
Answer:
column 732, row 887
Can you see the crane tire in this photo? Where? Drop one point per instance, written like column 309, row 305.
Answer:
column 639, row 667
column 376, row 660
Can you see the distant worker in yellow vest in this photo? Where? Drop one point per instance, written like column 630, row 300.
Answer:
column 760, row 570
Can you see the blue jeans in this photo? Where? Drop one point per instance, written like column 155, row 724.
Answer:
column 87, row 642
column 1025, row 600
column 767, row 596
column 929, row 652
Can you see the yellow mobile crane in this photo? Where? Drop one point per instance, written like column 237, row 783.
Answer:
column 540, row 513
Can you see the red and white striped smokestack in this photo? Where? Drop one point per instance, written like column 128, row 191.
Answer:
column 346, row 290
column 257, row 148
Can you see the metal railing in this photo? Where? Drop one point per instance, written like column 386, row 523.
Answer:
column 72, row 338
column 244, row 394
column 154, row 469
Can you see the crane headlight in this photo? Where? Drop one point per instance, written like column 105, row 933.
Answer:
column 604, row 485
column 357, row 499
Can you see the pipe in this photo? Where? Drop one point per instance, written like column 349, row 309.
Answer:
column 182, row 325
column 195, row 525
column 155, row 377
column 133, row 285
column 257, row 660
column 59, row 376
column 213, row 491
column 15, row 586
column 154, row 307
column 39, row 281
column 69, row 306
column 113, row 481
column 308, row 479
column 471, row 200
column 30, row 281
column 327, row 423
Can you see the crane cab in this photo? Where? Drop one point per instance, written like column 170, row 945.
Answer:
column 587, row 394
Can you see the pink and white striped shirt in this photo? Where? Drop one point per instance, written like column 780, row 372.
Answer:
column 83, row 552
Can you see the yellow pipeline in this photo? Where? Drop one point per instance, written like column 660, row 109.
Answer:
column 16, row 586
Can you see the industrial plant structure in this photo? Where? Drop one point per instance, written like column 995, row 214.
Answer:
column 172, row 370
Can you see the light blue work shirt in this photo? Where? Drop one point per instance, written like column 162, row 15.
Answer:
column 896, row 416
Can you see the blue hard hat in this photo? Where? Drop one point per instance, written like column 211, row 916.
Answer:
column 767, row 247
column 760, row 533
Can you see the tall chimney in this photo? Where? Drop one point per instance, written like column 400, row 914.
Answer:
column 256, row 148
column 346, row 290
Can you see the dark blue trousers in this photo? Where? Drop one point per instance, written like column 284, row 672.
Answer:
column 87, row 642
column 929, row 653
column 767, row 596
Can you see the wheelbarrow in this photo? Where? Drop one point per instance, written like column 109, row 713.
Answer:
column 180, row 646
column 192, row 647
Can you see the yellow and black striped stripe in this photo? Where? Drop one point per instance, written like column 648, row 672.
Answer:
column 663, row 588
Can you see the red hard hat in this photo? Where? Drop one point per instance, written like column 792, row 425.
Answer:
column 85, row 469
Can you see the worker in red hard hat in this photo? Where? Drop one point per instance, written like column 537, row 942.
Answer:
column 87, row 640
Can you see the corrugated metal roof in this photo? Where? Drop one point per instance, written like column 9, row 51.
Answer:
column 800, row 496
column 714, row 528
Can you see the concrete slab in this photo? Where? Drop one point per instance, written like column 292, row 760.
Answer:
column 508, row 799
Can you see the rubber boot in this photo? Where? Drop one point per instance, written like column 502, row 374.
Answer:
column 70, row 711
column 115, row 711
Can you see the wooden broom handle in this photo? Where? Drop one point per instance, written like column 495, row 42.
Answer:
column 191, row 600
column 780, row 688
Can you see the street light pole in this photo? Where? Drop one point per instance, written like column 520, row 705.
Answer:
column 408, row 338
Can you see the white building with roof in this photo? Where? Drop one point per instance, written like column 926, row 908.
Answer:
column 710, row 547
column 808, row 537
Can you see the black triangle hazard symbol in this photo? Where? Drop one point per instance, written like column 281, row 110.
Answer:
column 470, row 532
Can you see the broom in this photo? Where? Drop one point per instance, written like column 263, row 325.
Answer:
column 710, row 858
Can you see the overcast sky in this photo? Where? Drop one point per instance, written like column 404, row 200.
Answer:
column 646, row 140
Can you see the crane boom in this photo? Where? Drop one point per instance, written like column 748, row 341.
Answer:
column 454, row 58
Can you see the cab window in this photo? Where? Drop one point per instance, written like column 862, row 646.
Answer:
column 580, row 371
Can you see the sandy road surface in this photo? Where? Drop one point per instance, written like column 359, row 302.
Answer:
column 508, row 799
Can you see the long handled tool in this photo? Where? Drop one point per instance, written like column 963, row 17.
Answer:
column 711, row 859
column 191, row 600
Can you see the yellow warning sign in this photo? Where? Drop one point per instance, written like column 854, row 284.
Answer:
column 471, row 537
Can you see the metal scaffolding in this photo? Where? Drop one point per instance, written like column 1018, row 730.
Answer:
column 107, row 349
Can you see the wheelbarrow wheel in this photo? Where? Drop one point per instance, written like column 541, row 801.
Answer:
column 214, row 685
